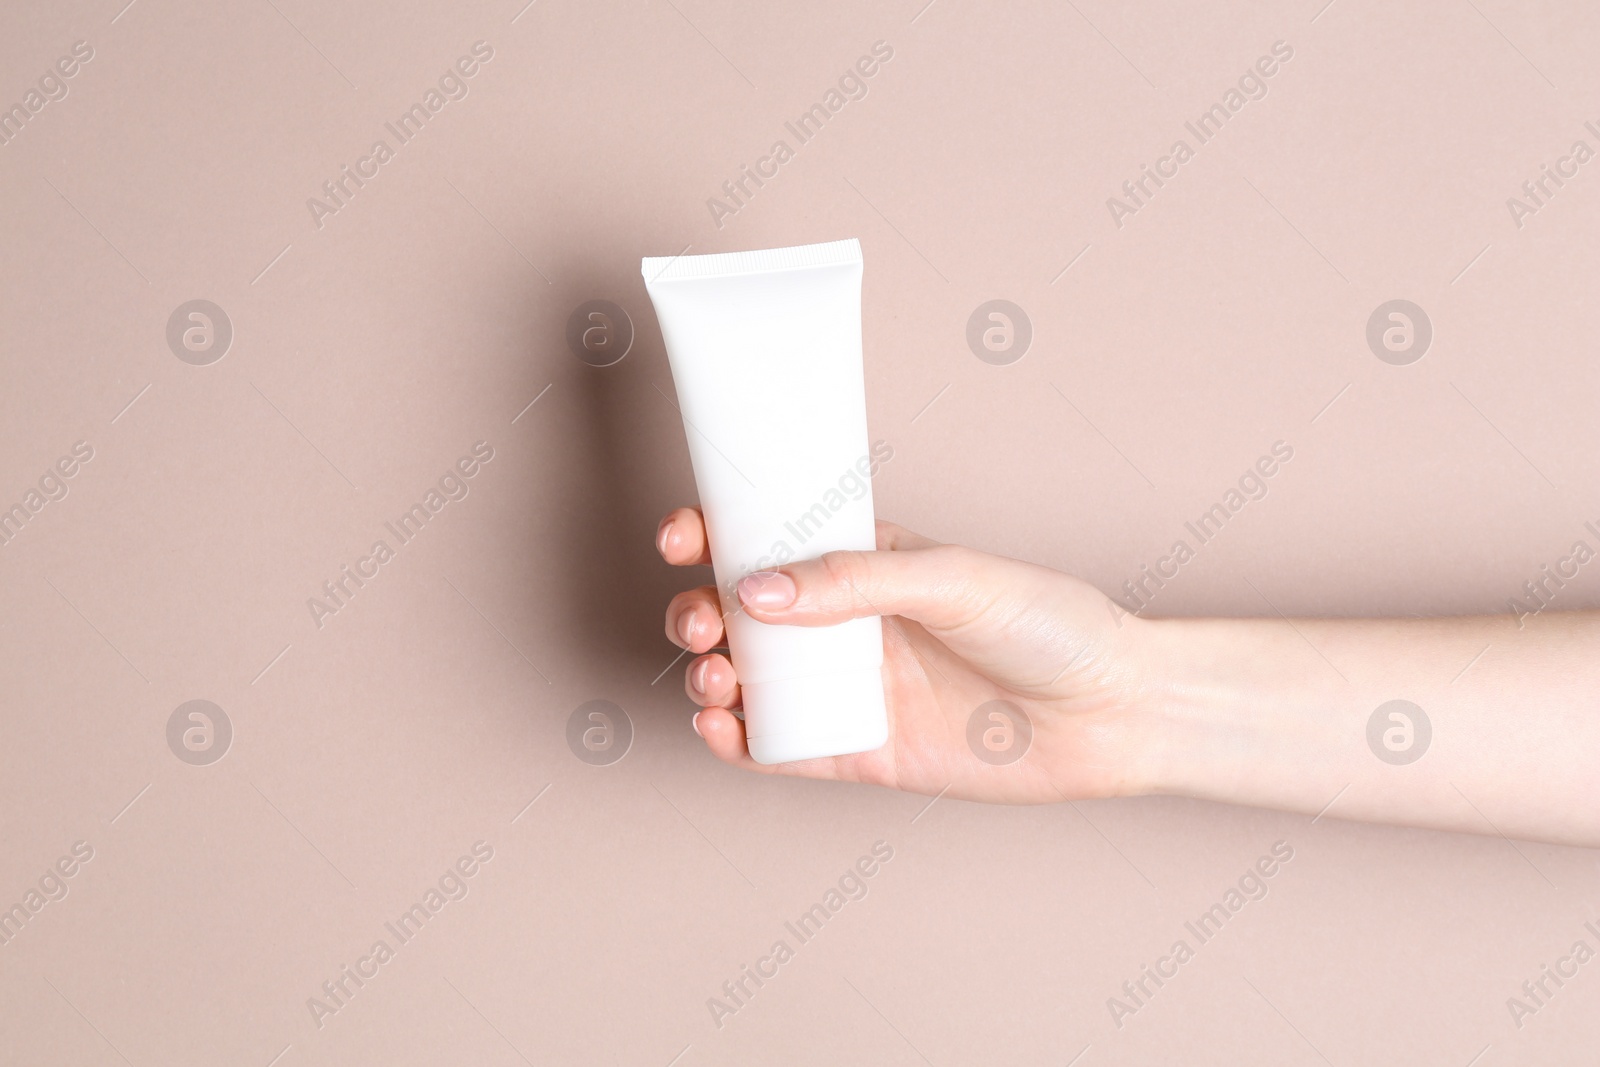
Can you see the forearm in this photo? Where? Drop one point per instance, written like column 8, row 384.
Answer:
column 1275, row 713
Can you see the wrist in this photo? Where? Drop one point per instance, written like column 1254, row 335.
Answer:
column 1231, row 710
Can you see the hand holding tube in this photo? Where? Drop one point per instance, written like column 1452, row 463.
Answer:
column 1269, row 712
column 964, row 628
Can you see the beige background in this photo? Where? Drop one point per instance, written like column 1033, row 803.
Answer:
column 425, row 316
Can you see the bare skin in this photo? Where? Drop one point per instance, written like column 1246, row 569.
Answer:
column 1268, row 712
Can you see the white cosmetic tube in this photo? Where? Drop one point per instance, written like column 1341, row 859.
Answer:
column 765, row 349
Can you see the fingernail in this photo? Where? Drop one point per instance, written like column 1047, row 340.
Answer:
column 697, row 676
column 661, row 539
column 695, row 722
column 686, row 627
column 767, row 589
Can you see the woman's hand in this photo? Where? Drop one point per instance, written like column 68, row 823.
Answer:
column 961, row 628
column 1497, row 728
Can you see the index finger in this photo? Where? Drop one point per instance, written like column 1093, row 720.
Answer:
column 681, row 538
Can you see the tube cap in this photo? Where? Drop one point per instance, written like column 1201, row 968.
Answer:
column 817, row 715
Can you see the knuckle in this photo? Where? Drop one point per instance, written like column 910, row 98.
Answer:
column 849, row 574
column 845, row 568
column 961, row 583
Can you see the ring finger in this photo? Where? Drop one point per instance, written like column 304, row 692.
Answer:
column 694, row 619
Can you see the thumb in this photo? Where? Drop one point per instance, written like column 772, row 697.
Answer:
column 941, row 587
